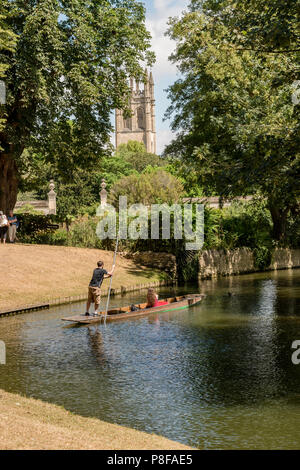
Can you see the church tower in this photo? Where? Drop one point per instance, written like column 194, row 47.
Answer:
column 141, row 125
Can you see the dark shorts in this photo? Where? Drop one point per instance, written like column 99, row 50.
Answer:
column 3, row 231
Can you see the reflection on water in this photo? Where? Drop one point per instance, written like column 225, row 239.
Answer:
column 216, row 376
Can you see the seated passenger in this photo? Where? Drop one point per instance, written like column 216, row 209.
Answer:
column 152, row 299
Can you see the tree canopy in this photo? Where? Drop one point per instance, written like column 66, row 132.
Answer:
column 7, row 44
column 136, row 155
column 233, row 111
column 155, row 186
column 68, row 72
column 269, row 26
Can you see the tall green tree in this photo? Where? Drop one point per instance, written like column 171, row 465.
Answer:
column 155, row 186
column 232, row 109
column 7, row 45
column 136, row 155
column 269, row 26
column 68, row 72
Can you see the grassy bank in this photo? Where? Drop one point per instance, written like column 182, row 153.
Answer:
column 34, row 274
column 32, row 424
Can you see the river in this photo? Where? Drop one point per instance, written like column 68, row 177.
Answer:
column 216, row 376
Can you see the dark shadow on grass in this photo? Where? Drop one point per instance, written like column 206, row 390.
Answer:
column 143, row 271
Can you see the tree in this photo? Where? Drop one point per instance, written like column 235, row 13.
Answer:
column 113, row 168
column 153, row 187
column 132, row 147
column 68, row 72
column 136, row 155
column 268, row 26
column 236, row 122
column 75, row 196
column 7, row 44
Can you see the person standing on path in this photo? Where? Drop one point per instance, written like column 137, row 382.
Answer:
column 12, row 228
column 3, row 227
column 94, row 292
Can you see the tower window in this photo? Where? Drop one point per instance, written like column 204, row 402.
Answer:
column 140, row 118
column 127, row 123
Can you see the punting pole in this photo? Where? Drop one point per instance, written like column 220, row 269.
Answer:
column 110, row 282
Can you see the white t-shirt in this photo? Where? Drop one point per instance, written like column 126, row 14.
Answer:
column 3, row 221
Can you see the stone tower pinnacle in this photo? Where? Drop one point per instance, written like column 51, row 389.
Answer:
column 141, row 125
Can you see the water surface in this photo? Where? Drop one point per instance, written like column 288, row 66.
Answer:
column 216, row 376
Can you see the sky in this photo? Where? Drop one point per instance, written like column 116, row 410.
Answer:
column 164, row 73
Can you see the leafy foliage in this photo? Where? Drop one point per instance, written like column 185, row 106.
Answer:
column 113, row 168
column 35, row 228
column 237, row 126
column 151, row 187
column 7, row 45
column 78, row 189
column 82, row 233
column 242, row 224
column 136, row 155
column 69, row 71
column 262, row 257
column 269, row 26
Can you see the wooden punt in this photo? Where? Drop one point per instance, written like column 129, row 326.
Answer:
column 124, row 313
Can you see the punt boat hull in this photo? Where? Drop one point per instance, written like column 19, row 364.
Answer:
column 124, row 313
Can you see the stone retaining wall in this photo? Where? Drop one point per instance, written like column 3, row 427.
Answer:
column 215, row 263
column 283, row 258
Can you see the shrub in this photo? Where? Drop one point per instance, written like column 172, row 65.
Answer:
column 59, row 238
column 262, row 257
column 213, row 228
column 293, row 229
column 242, row 224
column 36, row 228
column 28, row 209
column 82, row 233
column 152, row 187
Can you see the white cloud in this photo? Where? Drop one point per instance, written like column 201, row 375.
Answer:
column 162, row 45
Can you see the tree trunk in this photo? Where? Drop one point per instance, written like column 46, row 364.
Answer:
column 9, row 181
column 279, row 217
